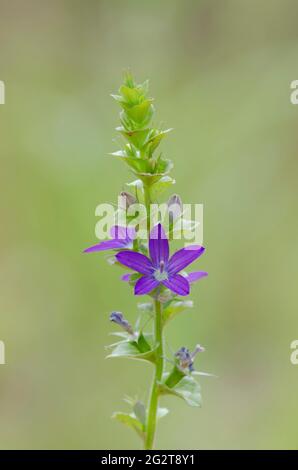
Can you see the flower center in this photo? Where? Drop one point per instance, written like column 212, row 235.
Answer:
column 160, row 274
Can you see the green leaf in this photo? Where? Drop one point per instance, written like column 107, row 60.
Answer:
column 138, row 188
column 119, row 153
column 163, row 165
column 137, row 164
column 130, row 350
column 188, row 389
column 131, row 421
column 155, row 140
column 161, row 412
column 128, row 79
column 131, row 95
column 138, row 138
column 140, row 112
column 149, row 178
column 175, row 307
column 144, row 87
column 133, row 278
column 127, row 123
column 174, row 377
column 162, row 185
column 121, row 334
column 147, row 307
column 203, row 374
column 118, row 98
column 143, row 344
column 187, row 226
column 139, row 410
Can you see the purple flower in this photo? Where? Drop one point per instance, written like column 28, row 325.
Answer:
column 160, row 269
column 191, row 277
column 195, row 276
column 186, row 358
column 121, row 238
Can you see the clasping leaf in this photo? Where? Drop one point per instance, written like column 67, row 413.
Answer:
column 187, row 388
column 130, row 420
column 134, row 349
column 174, row 307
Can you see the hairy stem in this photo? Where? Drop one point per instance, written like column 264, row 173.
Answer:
column 153, row 403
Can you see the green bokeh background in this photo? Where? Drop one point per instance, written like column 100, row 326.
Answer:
column 220, row 72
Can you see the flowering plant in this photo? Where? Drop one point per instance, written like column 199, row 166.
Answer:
column 153, row 271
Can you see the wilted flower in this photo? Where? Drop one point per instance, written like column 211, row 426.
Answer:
column 159, row 269
column 186, row 358
column 121, row 238
column 117, row 317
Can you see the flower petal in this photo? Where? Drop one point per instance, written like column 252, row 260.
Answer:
column 145, row 285
column 126, row 277
column 118, row 232
column 184, row 257
column 131, row 233
column 177, row 284
column 158, row 245
column 195, row 276
column 106, row 245
column 135, row 261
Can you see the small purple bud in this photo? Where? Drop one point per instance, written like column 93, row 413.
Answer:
column 175, row 199
column 117, row 317
column 184, row 357
column 175, row 207
column 127, row 199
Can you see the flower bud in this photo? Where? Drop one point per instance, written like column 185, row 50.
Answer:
column 117, row 317
column 126, row 200
column 128, row 79
column 175, row 199
column 174, row 207
column 186, row 358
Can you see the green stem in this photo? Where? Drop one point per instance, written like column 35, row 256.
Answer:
column 147, row 205
column 153, row 403
column 158, row 342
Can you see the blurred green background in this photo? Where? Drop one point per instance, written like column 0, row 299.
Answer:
column 220, row 72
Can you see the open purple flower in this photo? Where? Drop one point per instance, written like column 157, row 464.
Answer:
column 121, row 238
column 160, row 269
column 191, row 277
